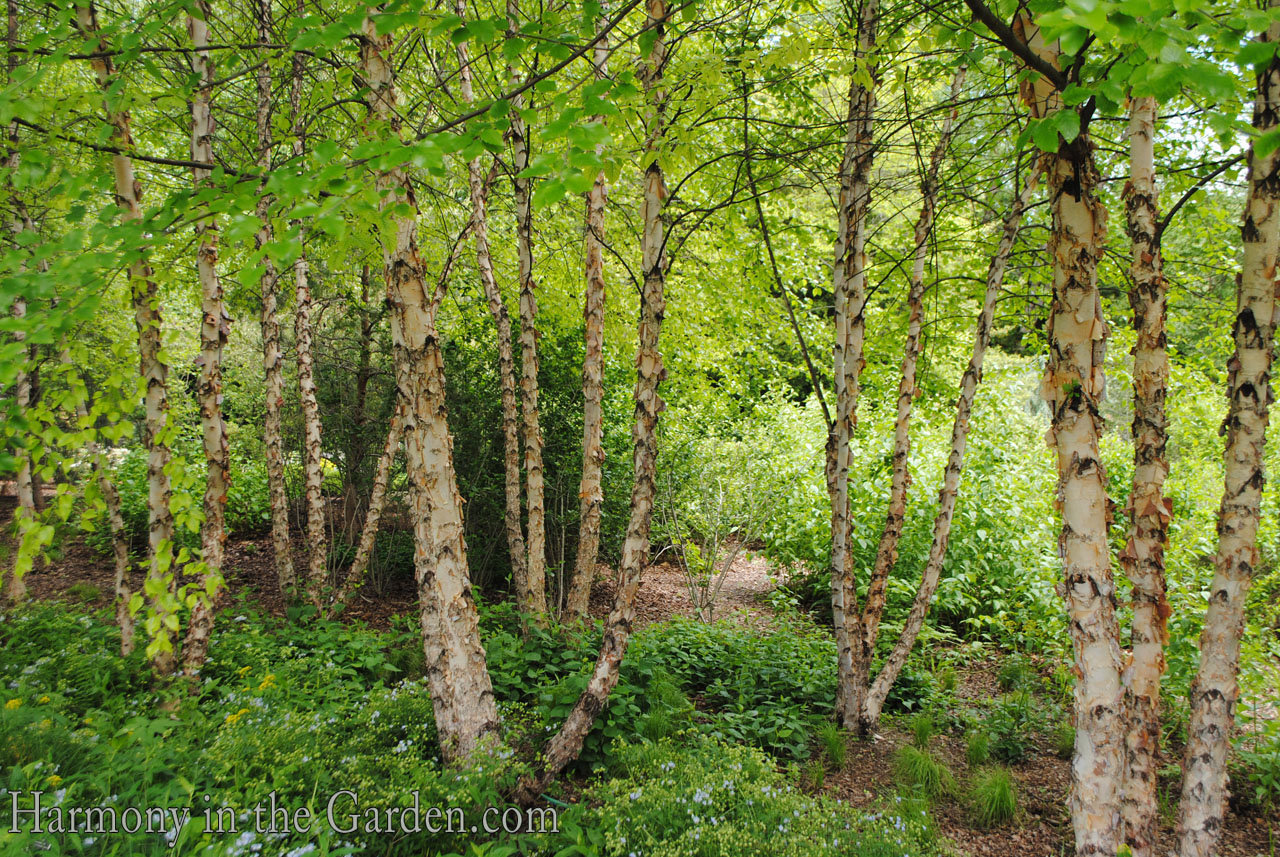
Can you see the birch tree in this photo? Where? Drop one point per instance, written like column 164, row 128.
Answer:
column 461, row 693
column 849, row 284
column 272, row 358
column 590, row 492
column 566, row 744
column 1149, row 510
column 866, row 629
column 145, row 301
column 479, row 189
column 1216, row 687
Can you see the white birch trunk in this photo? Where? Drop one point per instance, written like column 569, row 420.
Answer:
column 1216, row 689
column 1149, row 510
column 566, row 744
column 145, row 299
column 849, row 284
column 590, row 492
column 461, row 693
column 214, row 327
column 955, row 462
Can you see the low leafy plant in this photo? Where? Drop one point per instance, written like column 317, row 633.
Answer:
column 993, row 797
column 1016, row 673
column 914, row 768
column 1010, row 724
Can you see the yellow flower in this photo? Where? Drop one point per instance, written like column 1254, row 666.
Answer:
column 13, row 703
column 243, row 670
column 267, row 682
column 54, row 780
column 42, row 700
column 46, row 723
column 232, row 718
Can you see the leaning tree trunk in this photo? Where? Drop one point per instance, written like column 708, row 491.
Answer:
column 1073, row 388
column 506, row 363
column 145, row 299
column 214, row 327
column 373, row 515
column 955, row 463
column 312, row 460
column 590, row 492
column 566, row 745
column 867, row 627
column 1149, row 510
column 849, row 285
column 535, row 489
column 461, row 693
column 1215, row 690
column 272, row 360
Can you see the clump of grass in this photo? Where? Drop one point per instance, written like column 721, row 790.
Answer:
column 1064, row 740
column 919, row 769
column 977, row 750
column 946, row 677
column 922, row 730
column 833, row 744
column 1016, row 673
column 816, row 773
column 993, row 798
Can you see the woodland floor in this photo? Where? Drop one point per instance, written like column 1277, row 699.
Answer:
column 1042, row 830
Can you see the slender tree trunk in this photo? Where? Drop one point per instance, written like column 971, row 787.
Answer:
column 312, row 460
column 1215, row 690
column 506, row 362
column 1149, row 510
column 849, row 284
column 955, row 463
column 536, row 572
column 461, row 693
column 868, row 624
column 1073, row 389
column 566, row 745
column 377, row 497
column 215, row 325
column 590, row 492
column 145, row 299
column 272, row 360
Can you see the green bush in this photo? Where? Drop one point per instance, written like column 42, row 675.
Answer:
column 993, row 797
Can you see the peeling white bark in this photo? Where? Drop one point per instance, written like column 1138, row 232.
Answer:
column 461, row 693
column 145, row 299
column 1215, row 691
column 214, row 327
column 955, row 461
column 590, row 492
column 849, row 284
